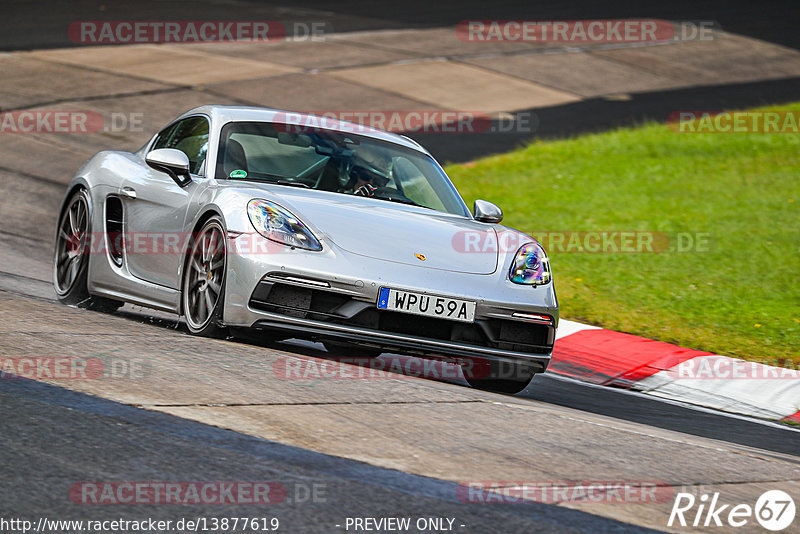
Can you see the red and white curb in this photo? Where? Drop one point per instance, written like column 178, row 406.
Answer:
column 605, row 357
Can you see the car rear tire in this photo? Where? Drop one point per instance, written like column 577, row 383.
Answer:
column 203, row 285
column 498, row 377
column 71, row 257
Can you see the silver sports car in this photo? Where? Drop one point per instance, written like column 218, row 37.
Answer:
column 286, row 225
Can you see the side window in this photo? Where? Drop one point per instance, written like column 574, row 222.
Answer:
column 190, row 136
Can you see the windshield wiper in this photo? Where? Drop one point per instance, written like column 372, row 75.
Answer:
column 277, row 179
column 401, row 201
column 292, row 184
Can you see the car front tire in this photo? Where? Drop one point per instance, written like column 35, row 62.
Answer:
column 203, row 286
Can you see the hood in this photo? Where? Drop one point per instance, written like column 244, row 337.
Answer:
column 393, row 232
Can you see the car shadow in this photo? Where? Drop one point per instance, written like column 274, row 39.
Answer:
column 550, row 389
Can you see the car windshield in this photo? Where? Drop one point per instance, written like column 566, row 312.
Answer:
column 339, row 162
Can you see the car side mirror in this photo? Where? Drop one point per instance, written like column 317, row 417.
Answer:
column 171, row 161
column 485, row 211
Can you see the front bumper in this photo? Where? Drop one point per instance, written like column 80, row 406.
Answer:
column 332, row 295
column 302, row 328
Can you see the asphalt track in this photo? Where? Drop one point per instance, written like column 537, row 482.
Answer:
column 215, row 411
column 53, row 438
column 356, row 441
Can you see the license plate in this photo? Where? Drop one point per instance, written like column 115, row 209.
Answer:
column 429, row 305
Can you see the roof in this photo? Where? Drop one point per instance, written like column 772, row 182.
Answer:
column 225, row 114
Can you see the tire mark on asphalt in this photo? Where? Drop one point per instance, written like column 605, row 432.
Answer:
column 145, row 92
column 43, row 293
column 20, row 236
column 35, row 177
column 15, row 275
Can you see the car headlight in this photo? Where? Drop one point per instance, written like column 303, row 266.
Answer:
column 530, row 266
column 276, row 223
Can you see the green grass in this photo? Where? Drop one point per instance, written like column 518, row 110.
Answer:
column 740, row 298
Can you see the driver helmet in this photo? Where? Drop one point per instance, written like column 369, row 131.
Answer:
column 369, row 166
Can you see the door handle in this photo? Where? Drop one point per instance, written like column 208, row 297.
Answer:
column 128, row 192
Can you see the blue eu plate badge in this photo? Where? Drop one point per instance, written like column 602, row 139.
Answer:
column 383, row 298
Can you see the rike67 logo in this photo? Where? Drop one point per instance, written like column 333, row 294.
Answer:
column 774, row 510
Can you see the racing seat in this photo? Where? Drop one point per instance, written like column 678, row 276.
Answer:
column 235, row 159
column 330, row 179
